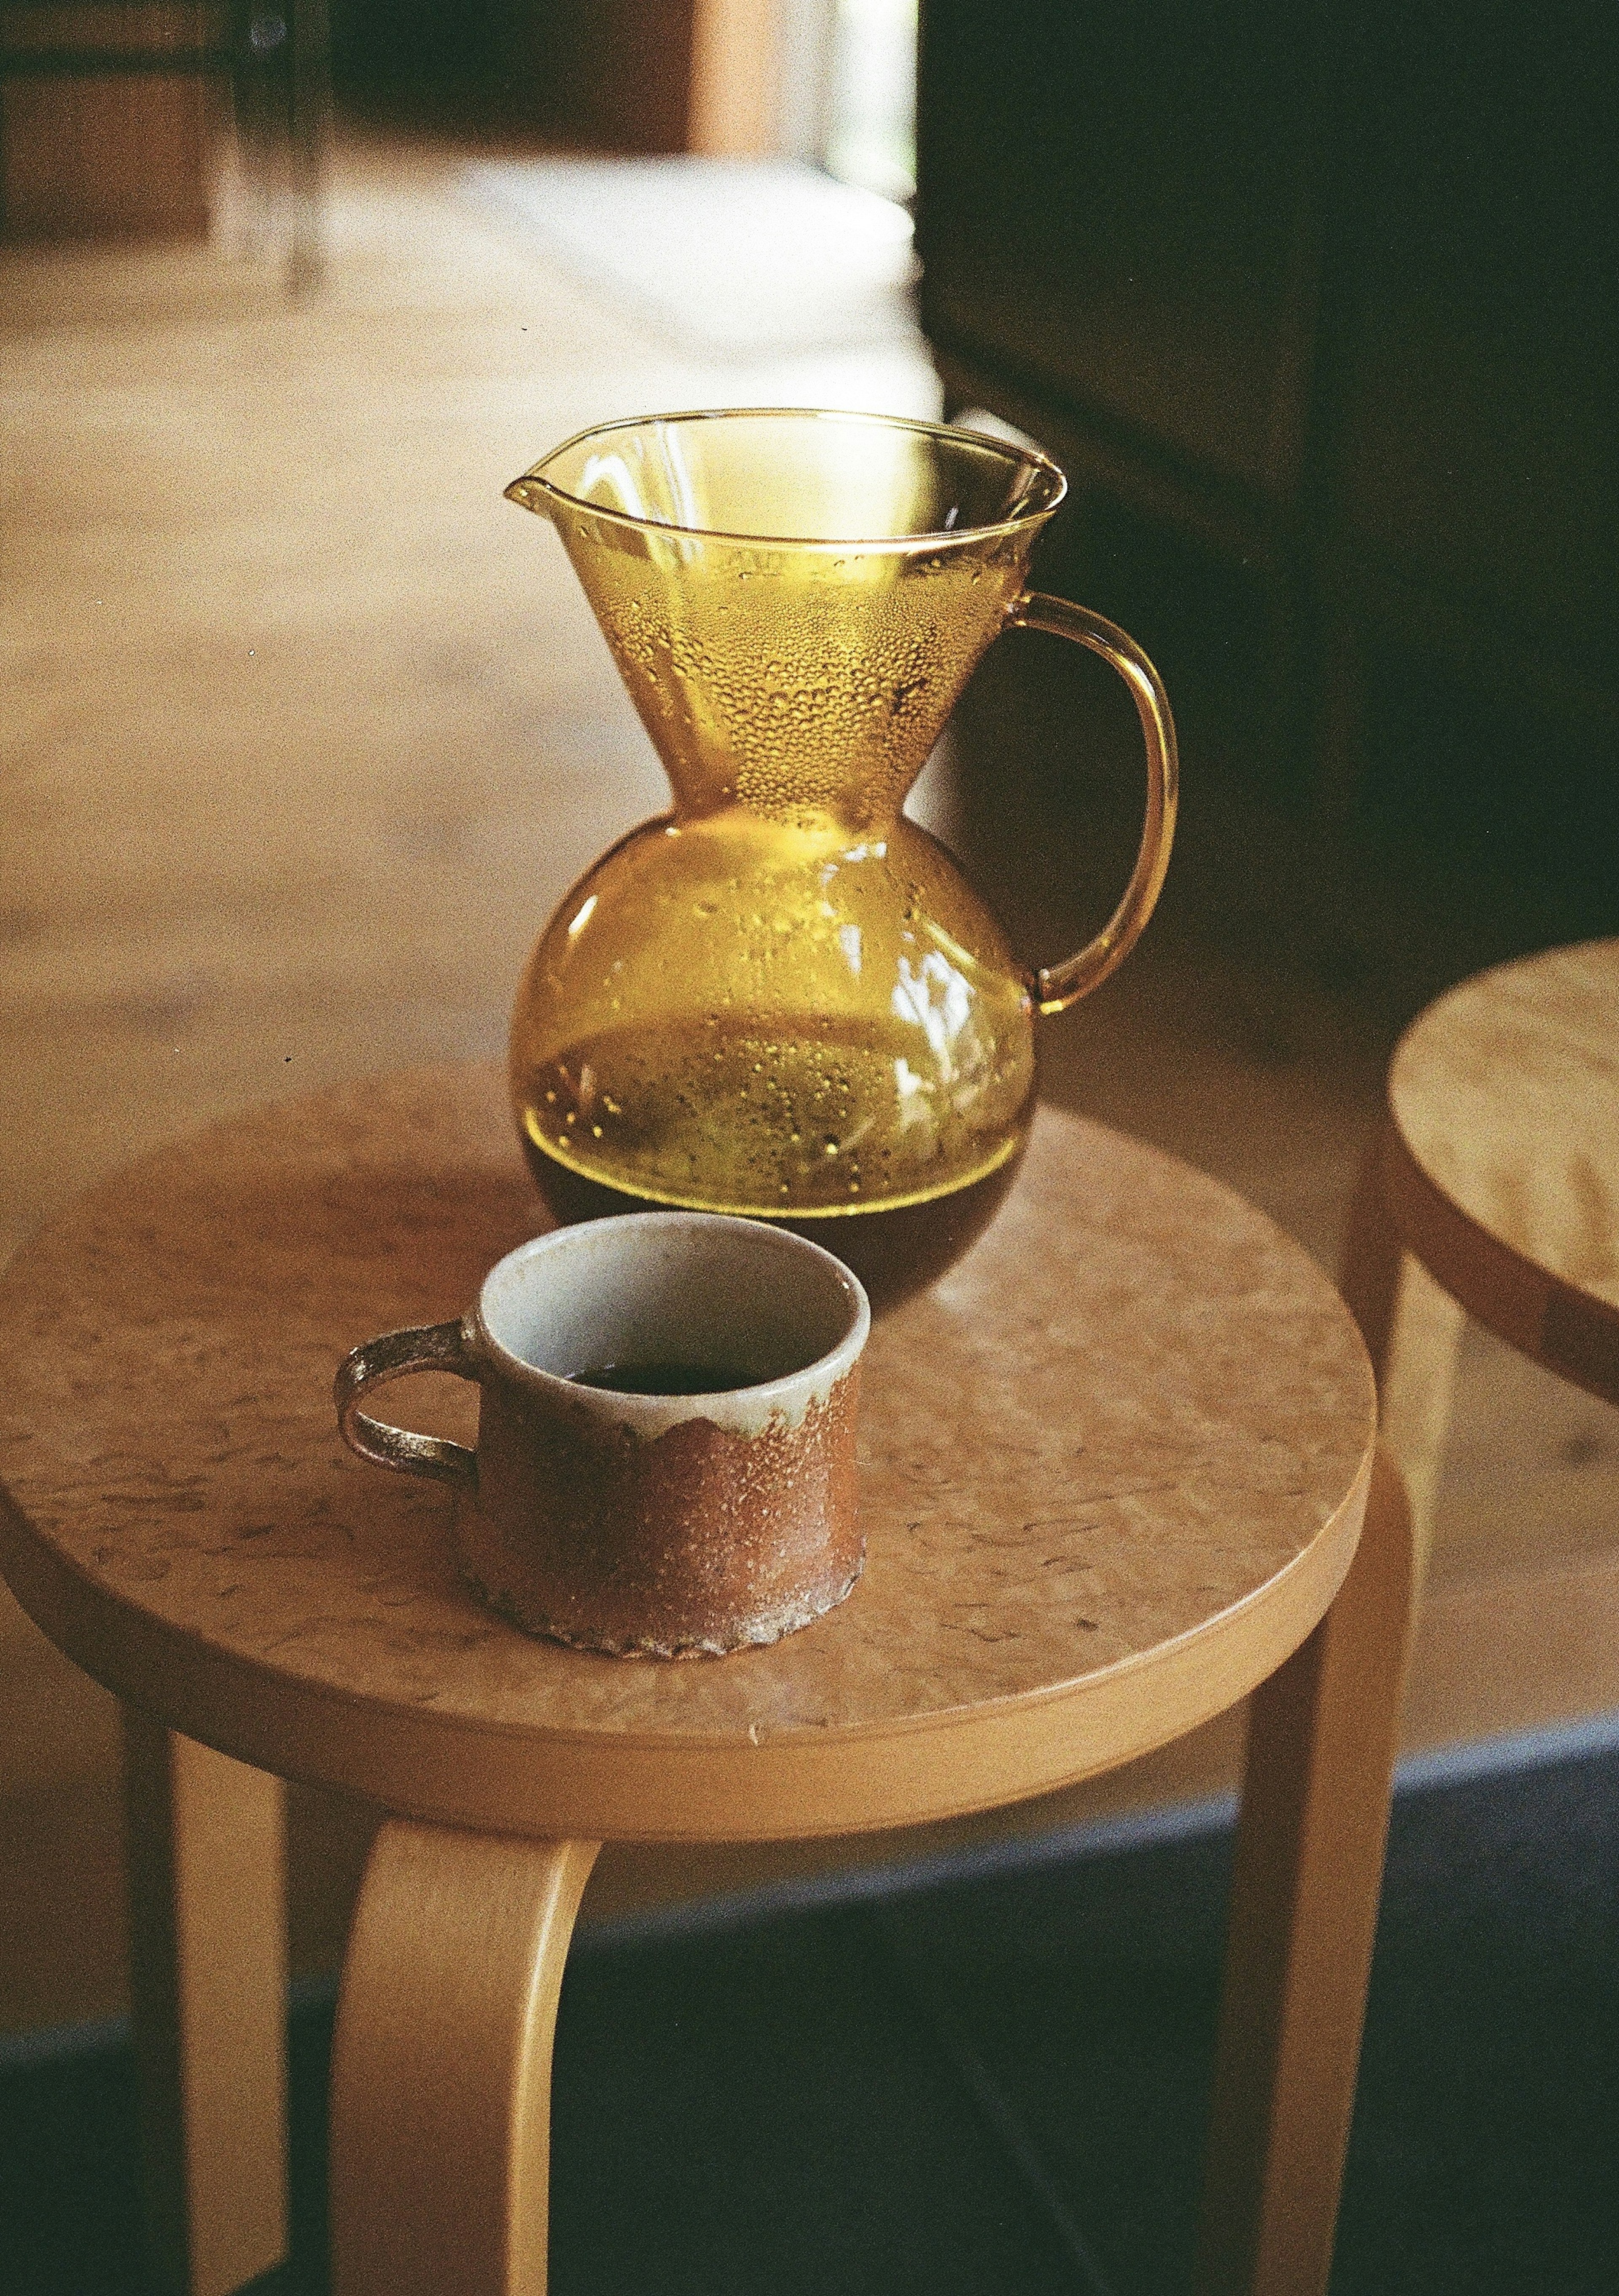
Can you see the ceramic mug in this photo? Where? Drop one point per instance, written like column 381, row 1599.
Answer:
column 659, row 1524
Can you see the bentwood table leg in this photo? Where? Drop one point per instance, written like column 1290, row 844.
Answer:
column 1322, row 1740
column 441, row 2069
column 208, row 1981
column 1412, row 1329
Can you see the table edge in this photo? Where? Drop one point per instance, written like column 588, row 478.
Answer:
column 503, row 1777
column 1571, row 1331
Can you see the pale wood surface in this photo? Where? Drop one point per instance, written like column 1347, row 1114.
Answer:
column 1501, row 1167
column 441, row 2066
column 208, row 1956
column 1323, row 1739
column 1112, row 1473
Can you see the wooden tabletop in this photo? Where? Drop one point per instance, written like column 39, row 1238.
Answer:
column 1503, row 1164
column 1114, row 1469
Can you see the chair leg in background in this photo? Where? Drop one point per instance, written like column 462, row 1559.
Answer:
column 1412, row 1331
column 441, row 2069
column 208, row 1988
column 1323, row 1734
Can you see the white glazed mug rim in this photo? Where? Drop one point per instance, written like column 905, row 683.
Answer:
column 759, row 1399
column 471, row 1348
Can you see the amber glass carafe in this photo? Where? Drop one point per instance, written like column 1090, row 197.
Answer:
column 782, row 998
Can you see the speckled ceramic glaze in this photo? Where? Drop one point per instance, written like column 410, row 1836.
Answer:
column 658, row 1525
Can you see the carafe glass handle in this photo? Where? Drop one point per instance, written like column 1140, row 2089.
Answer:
column 1055, row 987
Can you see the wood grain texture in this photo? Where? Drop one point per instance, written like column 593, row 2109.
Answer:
column 1112, row 1473
column 1499, row 1166
column 208, row 1968
column 105, row 157
column 113, row 153
column 1323, row 1734
column 441, row 2066
column 44, row 27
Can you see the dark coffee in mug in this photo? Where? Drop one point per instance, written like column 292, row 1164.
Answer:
column 665, row 1378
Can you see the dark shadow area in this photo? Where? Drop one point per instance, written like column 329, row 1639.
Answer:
column 1000, row 2084
column 413, row 62
column 1482, row 827
column 1319, row 315
column 607, row 75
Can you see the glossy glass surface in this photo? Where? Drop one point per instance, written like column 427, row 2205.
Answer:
column 782, row 997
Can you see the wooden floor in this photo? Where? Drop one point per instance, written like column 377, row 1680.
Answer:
column 306, row 730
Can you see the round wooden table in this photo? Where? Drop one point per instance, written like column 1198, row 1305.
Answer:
column 1114, row 1469
column 1492, row 1191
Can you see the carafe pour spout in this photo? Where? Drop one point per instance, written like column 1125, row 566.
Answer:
column 528, row 492
column 794, row 600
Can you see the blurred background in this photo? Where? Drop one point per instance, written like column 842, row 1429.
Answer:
column 306, row 730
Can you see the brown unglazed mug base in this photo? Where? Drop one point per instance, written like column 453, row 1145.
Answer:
column 695, row 1543
column 753, row 1634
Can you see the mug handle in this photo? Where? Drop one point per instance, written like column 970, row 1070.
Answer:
column 432, row 1347
column 1055, row 987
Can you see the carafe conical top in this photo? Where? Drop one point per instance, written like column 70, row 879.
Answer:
column 782, row 998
